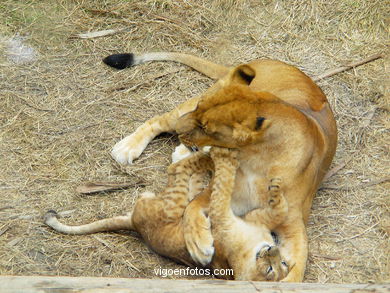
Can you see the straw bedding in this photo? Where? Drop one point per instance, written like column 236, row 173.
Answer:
column 61, row 111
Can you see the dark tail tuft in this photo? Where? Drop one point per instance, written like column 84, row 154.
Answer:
column 50, row 214
column 119, row 61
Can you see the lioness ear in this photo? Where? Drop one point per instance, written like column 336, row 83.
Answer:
column 243, row 74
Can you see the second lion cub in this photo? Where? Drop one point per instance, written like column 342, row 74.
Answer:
column 247, row 248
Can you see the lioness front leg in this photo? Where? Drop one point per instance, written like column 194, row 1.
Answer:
column 132, row 146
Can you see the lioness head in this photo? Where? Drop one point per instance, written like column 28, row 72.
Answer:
column 232, row 117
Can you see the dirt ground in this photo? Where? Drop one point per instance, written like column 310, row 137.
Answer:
column 62, row 110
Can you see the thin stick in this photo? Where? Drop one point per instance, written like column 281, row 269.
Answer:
column 361, row 185
column 349, row 66
column 358, row 235
column 335, row 169
column 325, row 256
column 98, row 34
column 92, row 187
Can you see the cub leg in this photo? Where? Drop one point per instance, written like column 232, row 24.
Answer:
column 184, row 181
column 220, row 211
column 197, row 229
column 275, row 213
column 196, row 222
column 160, row 221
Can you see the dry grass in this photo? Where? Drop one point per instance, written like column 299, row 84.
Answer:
column 61, row 114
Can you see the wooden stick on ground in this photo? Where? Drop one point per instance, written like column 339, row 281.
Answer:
column 92, row 187
column 347, row 67
column 31, row 284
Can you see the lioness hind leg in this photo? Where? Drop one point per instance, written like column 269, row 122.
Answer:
column 274, row 192
column 278, row 206
column 276, row 210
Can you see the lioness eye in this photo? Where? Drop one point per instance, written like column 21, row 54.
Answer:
column 259, row 122
column 284, row 263
column 269, row 269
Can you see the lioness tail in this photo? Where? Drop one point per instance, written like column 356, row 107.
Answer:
column 208, row 68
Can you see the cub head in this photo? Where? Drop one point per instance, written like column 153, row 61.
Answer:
column 269, row 264
column 231, row 117
column 264, row 263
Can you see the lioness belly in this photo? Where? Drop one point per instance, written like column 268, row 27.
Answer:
column 247, row 193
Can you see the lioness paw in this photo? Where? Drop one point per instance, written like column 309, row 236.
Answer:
column 127, row 150
column 181, row 152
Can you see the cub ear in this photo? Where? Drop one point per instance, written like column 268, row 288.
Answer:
column 263, row 251
column 243, row 74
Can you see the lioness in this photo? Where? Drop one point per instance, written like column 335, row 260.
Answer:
column 298, row 145
column 159, row 219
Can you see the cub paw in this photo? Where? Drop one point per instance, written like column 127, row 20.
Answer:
column 275, row 193
column 198, row 238
column 127, row 150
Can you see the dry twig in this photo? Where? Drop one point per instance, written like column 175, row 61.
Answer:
column 92, row 187
column 332, row 72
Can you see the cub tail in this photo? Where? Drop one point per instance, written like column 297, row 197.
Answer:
column 109, row 224
column 208, row 68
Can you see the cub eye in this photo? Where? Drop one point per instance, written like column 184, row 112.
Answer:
column 284, row 263
column 269, row 269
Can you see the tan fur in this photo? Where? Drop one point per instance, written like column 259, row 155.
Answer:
column 296, row 144
column 159, row 220
column 240, row 244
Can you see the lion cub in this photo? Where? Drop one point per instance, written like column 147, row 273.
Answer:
column 245, row 247
column 240, row 244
